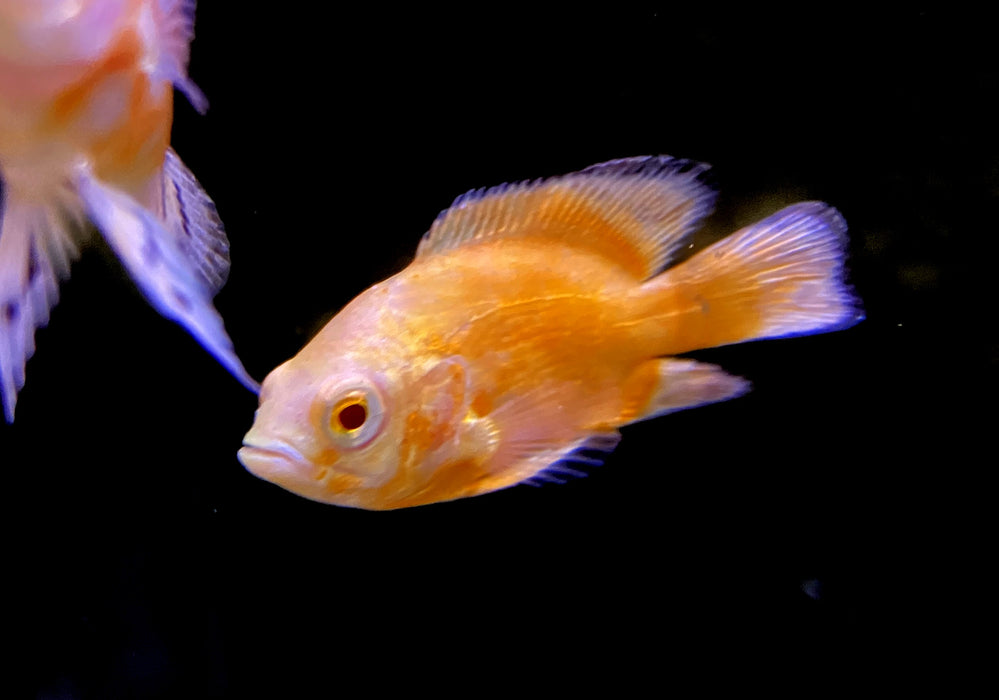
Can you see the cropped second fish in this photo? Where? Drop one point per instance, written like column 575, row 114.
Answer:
column 86, row 106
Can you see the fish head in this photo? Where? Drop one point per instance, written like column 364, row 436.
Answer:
column 321, row 434
column 357, row 420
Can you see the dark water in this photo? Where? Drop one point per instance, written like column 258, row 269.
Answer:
column 145, row 562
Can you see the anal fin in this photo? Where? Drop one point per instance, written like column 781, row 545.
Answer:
column 667, row 385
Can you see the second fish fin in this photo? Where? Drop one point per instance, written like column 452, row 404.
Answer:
column 38, row 241
column 189, row 214
column 162, row 271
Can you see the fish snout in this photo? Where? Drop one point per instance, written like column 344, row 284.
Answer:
column 280, row 463
column 265, row 457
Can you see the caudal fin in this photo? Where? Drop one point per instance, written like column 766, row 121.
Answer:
column 782, row 276
column 37, row 245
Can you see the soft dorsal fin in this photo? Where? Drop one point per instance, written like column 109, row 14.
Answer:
column 635, row 211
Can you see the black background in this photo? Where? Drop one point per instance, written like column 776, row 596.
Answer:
column 144, row 561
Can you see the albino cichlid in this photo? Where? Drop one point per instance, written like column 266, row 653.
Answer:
column 537, row 319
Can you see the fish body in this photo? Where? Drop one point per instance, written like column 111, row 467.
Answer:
column 86, row 106
column 535, row 321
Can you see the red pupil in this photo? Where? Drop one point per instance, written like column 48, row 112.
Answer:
column 352, row 417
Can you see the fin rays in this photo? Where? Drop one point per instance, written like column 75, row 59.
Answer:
column 581, row 453
column 190, row 215
column 37, row 246
column 635, row 211
column 780, row 277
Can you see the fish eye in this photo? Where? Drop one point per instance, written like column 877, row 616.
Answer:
column 354, row 412
column 351, row 415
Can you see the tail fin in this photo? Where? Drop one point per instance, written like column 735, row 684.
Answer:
column 37, row 245
column 782, row 276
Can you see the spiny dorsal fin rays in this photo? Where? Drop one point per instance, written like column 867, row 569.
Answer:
column 635, row 211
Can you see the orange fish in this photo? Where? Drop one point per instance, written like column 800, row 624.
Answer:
column 86, row 104
column 535, row 320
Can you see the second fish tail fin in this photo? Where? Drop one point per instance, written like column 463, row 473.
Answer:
column 782, row 276
column 38, row 243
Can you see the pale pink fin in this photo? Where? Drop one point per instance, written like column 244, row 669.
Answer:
column 637, row 212
column 37, row 245
column 160, row 269
column 175, row 30
column 537, row 435
column 783, row 276
column 686, row 384
column 189, row 215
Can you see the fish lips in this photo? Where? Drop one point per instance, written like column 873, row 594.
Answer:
column 274, row 461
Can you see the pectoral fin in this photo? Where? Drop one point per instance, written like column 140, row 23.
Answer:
column 536, row 436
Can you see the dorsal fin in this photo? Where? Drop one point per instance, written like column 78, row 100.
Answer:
column 635, row 211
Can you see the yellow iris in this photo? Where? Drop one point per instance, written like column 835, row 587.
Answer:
column 349, row 415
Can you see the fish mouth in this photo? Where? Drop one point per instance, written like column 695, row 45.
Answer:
column 271, row 460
